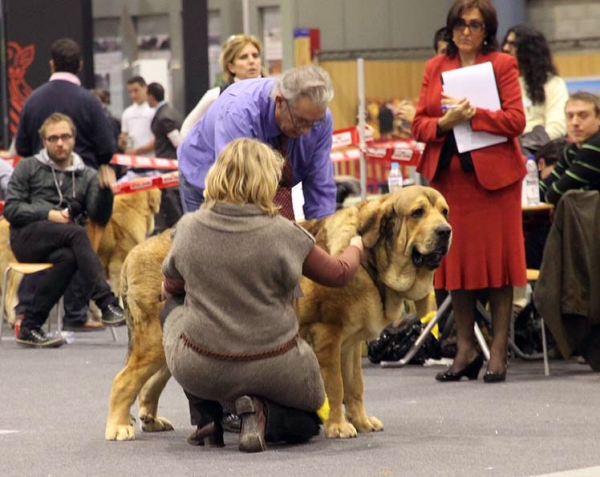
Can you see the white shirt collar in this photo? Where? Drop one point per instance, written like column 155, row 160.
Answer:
column 65, row 76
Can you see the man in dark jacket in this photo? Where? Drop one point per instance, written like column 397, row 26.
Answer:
column 64, row 94
column 95, row 144
column 49, row 197
column 165, row 125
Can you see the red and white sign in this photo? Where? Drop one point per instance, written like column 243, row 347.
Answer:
column 170, row 179
column 144, row 162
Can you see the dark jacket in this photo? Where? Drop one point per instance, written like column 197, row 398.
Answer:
column 567, row 293
column 166, row 119
column 95, row 141
column 37, row 187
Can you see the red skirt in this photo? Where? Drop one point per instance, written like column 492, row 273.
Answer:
column 487, row 233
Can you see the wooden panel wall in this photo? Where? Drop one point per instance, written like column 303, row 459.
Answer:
column 385, row 80
column 578, row 64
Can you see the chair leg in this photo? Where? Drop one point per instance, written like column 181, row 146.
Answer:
column 114, row 333
column 545, row 349
column 4, row 283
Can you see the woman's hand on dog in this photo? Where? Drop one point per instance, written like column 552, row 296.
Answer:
column 357, row 242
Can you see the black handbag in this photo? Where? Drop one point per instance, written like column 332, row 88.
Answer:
column 393, row 343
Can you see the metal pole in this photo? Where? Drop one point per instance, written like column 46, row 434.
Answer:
column 246, row 16
column 360, row 64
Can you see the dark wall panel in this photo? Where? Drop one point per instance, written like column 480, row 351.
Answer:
column 31, row 28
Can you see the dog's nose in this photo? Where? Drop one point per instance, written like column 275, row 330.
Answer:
column 443, row 232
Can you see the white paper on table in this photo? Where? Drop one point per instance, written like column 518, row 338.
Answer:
column 477, row 83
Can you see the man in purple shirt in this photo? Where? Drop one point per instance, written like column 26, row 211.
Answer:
column 289, row 113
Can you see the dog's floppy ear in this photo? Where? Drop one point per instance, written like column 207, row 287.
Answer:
column 374, row 220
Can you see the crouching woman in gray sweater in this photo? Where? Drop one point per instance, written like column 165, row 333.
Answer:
column 234, row 340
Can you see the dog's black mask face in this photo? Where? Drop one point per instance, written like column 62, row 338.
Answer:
column 433, row 259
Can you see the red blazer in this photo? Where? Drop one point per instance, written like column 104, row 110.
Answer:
column 495, row 166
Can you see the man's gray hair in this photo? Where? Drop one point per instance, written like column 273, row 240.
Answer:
column 308, row 81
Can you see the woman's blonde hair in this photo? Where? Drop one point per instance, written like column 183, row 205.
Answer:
column 246, row 172
column 232, row 48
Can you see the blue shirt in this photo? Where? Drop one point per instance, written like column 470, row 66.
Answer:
column 245, row 109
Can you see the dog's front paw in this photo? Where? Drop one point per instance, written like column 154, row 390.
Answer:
column 339, row 430
column 119, row 433
column 155, row 424
column 367, row 424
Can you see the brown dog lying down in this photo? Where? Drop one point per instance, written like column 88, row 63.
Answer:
column 131, row 222
column 406, row 235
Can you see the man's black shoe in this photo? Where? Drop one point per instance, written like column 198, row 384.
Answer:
column 113, row 315
column 36, row 338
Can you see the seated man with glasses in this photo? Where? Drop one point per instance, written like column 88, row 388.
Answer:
column 290, row 114
column 50, row 196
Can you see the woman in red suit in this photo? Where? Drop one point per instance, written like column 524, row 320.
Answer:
column 482, row 187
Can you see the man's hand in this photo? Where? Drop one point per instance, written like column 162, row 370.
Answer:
column 106, row 176
column 59, row 216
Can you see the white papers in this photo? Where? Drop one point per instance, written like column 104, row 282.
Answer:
column 477, row 83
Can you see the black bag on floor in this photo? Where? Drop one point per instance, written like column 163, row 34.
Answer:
column 393, row 343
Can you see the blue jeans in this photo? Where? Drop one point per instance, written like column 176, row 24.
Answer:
column 191, row 197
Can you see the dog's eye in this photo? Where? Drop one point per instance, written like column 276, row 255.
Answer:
column 417, row 214
column 445, row 212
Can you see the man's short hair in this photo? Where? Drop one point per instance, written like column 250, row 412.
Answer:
column 586, row 98
column 308, row 81
column 552, row 151
column 440, row 35
column 137, row 79
column 57, row 118
column 66, row 55
column 156, row 91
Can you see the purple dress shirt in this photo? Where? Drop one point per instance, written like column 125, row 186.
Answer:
column 246, row 109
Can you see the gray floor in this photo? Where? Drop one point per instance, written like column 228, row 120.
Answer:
column 54, row 404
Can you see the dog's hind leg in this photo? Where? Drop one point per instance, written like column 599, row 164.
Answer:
column 145, row 359
column 327, row 344
column 353, row 390
column 148, row 402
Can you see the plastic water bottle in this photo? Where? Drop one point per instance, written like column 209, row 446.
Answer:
column 394, row 178
column 532, row 182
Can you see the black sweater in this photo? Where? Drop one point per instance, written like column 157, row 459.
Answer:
column 95, row 142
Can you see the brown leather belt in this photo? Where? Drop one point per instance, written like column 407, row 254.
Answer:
column 239, row 356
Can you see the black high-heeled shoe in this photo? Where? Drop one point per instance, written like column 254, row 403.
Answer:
column 470, row 371
column 491, row 377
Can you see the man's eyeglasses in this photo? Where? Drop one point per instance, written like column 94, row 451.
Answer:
column 300, row 124
column 474, row 26
column 62, row 137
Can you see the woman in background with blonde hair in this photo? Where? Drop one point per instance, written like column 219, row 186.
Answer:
column 240, row 60
column 234, row 340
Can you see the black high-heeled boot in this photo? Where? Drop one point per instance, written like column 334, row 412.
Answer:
column 470, row 371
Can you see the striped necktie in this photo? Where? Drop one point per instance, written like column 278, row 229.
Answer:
column 283, row 197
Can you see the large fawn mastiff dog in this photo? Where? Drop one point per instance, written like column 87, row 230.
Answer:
column 406, row 235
